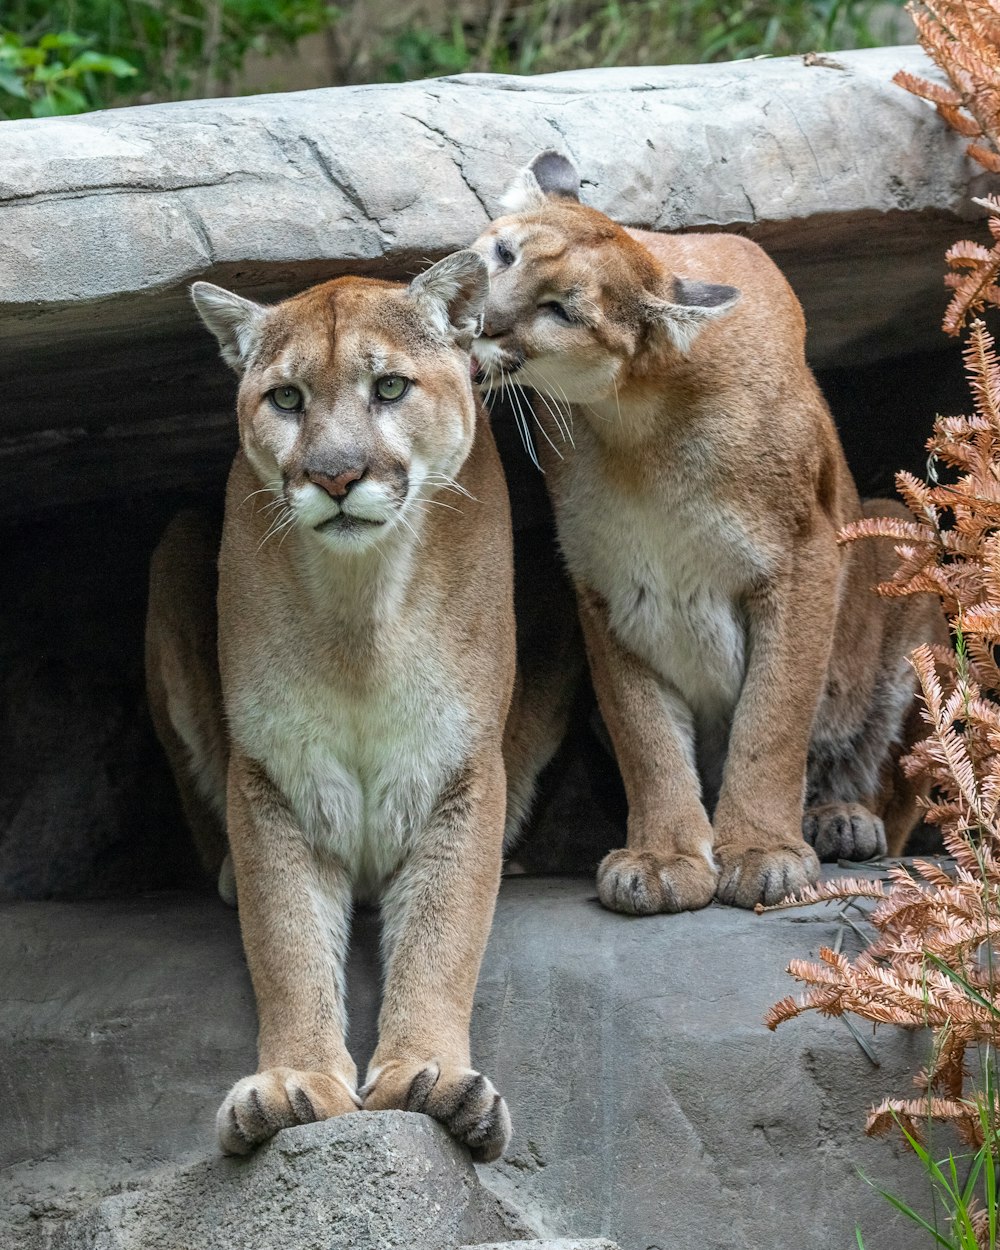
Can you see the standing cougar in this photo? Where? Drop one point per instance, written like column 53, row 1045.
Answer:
column 741, row 660
column 366, row 658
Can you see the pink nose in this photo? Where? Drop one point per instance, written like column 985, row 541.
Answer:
column 336, row 487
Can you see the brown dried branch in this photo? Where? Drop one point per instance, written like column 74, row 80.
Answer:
column 924, row 967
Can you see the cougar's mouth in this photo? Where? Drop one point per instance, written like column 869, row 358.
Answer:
column 488, row 365
column 345, row 523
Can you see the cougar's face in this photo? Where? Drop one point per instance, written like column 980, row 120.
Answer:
column 551, row 320
column 355, row 401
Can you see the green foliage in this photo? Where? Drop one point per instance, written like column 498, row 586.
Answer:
column 542, row 36
column 59, row 74
column 70, row 55
column 164, row 51
column 965, row 1210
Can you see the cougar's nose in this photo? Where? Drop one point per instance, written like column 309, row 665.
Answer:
column 336, row 487
column 493, row 327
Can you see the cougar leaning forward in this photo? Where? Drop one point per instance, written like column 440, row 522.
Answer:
column 366, row 662
column 742, row 663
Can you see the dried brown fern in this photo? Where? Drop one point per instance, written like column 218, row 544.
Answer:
column 935, row 960
column 962, row 37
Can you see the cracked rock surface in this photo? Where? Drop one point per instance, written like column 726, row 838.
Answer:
column 650, row 1104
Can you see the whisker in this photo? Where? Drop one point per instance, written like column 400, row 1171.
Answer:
column 403, row 521
column 263, row 491
column 560, row 425
column 438, row 504
column 280, row 522
column 545, row 433
column 522, row 423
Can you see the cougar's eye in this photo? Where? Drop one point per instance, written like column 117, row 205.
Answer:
column 557, row 310
column 287, row 398
column 504, row 255
column 391, row 387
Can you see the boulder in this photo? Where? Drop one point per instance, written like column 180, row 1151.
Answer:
column 650, row 1104
column 384, row 1181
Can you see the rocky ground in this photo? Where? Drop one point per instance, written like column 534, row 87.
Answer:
column 650, row 1104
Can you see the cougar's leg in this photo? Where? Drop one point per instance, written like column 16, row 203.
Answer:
column 295, row 917
column 436, row 916
column 758, row 819
column 666, row 864
column 859, row 801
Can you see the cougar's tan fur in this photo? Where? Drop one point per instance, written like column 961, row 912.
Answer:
column 742, row 662
column 366, row 658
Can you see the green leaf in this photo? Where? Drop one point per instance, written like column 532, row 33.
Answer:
column 11, row 83
column 69, row 100
column 99, row 63
column 61, row 39
column 44, row 107
column 957, row 977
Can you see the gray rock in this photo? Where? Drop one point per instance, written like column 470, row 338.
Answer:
column 650, row 1104
column 377, row 1181
column 855, row 187
column 558, row 1243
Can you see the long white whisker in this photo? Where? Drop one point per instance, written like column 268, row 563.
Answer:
column 403, row 521
column 529, row 442
column 449, row 483
column 438, row 504
column 545, row 433
column 560, row 425
column 264, row 490
column 280, row 522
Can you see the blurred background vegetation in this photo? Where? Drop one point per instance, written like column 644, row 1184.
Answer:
column 74, row 55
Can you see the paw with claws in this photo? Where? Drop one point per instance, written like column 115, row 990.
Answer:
column 844, row 831
column 755, row 875
column 258, row 1106
column 464, row 1101
column 642, row 883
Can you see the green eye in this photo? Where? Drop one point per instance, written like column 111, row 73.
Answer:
column 287, row 398
column 391, row 387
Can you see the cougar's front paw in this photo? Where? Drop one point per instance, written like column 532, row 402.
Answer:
column 755, row 876
column 258, row 1106
column 844, row 831
column 465, row 1102
column 641, row 883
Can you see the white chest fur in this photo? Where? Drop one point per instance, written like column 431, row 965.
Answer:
column 361, row 769
column 671, row 563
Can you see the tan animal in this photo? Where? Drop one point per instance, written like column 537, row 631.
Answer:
column 741, row 661
column 366, row 662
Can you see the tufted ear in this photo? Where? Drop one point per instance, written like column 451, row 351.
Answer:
column 549, row 173
column 453, row 293
column 233, row 320
column 693, row 305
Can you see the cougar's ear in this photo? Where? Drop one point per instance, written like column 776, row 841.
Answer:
column 549, row 173
column 691, row 306
column 453, row 293
column 233, row 320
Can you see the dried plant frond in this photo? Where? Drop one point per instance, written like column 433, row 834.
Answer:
column 925, row 965
column 962, row 38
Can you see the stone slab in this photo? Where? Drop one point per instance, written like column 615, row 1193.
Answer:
column 647, row 1096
